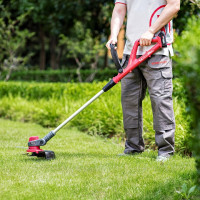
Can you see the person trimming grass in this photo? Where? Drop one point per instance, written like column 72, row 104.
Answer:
column 145, row 19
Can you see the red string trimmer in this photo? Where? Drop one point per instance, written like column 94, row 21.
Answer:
column 34, row 141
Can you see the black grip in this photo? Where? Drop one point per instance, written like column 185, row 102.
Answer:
column 48, row 136
column 109, row 85
column 116, row 58
column 163, row 39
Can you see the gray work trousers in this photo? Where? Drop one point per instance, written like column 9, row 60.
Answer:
column 156, row 74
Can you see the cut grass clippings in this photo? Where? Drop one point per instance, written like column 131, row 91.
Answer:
column 86, row 167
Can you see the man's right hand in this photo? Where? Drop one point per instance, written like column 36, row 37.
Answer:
column 113, row 40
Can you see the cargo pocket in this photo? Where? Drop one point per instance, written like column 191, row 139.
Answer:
column 167, row 76
column 159, row 62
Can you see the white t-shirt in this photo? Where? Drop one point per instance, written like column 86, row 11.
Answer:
column 141, row 14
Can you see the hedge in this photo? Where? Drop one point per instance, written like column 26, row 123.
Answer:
column 59, row 75
column 188, row 46
column 49, row 104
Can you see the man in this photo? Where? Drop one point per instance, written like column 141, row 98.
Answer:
column 145, row 19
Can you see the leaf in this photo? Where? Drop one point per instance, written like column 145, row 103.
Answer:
column 184, row 188
column 192, row 189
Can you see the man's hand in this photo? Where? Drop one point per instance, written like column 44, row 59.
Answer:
column 146, row 38
column 113, row 40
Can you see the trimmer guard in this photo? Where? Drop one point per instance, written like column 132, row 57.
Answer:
column 48, row 155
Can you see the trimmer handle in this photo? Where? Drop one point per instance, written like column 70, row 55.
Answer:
column 160, row 41
column 115, row 57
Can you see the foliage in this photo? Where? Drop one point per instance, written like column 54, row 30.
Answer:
column 50, row 18
column 13, row 39
column 188, row 46
column 196, row 2
column 85, row 168
column 188, row 42
column 188, row 9
column 48, row 13
column 185, row 192
column 49, row 104
column 82, row 47
column 61, row 75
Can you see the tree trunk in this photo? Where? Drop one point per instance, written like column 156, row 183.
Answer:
column 78, row 71
column 106, row 59
column 12, row 67
column 93, row 67
column 53, row 60
column 42, row 48
column 59, row 55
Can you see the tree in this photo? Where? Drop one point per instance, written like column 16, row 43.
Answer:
column 96, row 15
column 50, row 18
column 83, row 48
column 13, row 39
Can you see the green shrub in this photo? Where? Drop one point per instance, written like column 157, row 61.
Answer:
column 49, row 104
column 188, row 46
column 75, row 91
column 59, row 75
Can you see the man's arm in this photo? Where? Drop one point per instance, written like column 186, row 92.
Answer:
column 117, row 20
column 169, row 12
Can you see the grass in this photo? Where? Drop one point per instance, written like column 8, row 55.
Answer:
column 86, row 167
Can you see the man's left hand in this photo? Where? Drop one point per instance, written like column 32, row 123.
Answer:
column 146, row 38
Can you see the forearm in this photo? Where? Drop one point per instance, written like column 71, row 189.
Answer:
column 169, row 12
column 117, row 20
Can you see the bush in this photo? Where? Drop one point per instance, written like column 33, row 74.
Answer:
column 59, row 75
column 188, row 46
column 49, row 104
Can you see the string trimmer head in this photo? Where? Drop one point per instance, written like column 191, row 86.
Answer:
column 36, row 151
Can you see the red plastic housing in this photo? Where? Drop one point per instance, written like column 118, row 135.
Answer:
column 34, row 149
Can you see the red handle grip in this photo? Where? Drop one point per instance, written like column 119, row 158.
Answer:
column 137, row 44
column 134, row 62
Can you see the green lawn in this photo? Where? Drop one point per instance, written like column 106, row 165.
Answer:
column 86, row 167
